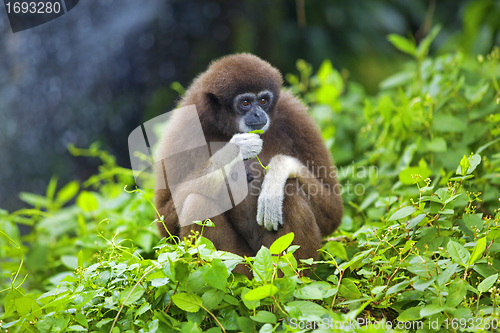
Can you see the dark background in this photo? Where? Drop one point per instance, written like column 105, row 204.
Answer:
column 105, row 67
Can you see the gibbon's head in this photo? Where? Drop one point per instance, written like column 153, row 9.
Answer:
column 239, row 93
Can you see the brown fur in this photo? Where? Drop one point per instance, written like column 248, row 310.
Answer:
column 292, row 132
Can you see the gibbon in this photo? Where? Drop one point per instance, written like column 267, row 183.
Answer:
column 238, row 94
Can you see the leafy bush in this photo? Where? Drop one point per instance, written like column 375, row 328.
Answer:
column 419, row 243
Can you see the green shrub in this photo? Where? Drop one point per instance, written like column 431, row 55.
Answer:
column 419, row 242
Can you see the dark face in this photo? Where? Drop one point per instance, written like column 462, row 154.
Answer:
column 253, row 110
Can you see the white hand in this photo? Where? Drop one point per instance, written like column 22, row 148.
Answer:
column 250, row 144
column 272, row 195
column 270, row 209
column 270, row 202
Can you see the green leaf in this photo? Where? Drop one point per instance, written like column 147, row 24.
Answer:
column 483, row 147
column 25, row 305
column 61, row 323
column 432, row 309
column 378, row 290
column 261, row 292
column 437, row 145
column 267, row 328
column 370, row 199
column 142, row 309
column 403, row 44
column 478, row 250
column 355, row 260
column 264, row 317
column 306, row 308
column 187, row 327
column 448, row 124
column 308, row 292
column 257, row 132
column 282, row 243
column 473, row 220
column 231, row 300
column 249, row 304
column 327, row 95
column 246, row 325
column 423, row 47
column 9, row 302
column 493, row 234
column 34, row 199
column 216, row 274
column 484, row 269
column 131, row 295
column 433, row 199
column 51, row 188
column 82, row 320
column 386, row 106
column 331, row 85
column 458, row 253
column 263, row 265
column 422, row 284
column 77, row 328
column 410, row 314
column 44, row 325
column 405, row 175
column 403, row 212
column 414, row 222
column 61, row 301
column 68, row 192
column 187, row 302
column 207, row 223
column 456, row 292
column 487, row 283
column 87, row 202
column 474, row 161
column 397, row 288
column 70, row 261
column 80, row 259
column 408, row 245
column 396, row 80
column 178, row 88
column 103, row 322
column 475, row 93
column 464, row 166
column 348, row 289
column 446, row 275
column 337, row 249
column 212, row 298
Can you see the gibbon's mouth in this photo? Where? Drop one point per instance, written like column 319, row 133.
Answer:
column 256, row 126
column 245, row 127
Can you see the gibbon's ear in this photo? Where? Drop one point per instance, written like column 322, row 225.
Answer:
column 213, row 101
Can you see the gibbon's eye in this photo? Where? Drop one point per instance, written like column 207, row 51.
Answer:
column 245, row 103
column 263, row 101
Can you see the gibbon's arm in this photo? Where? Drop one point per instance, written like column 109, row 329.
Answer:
column 209, row 180
column 320, row 195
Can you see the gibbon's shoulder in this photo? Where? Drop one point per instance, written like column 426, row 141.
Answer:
column 292, row 113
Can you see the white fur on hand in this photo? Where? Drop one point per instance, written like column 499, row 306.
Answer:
column 270, row 202
column 250, row 144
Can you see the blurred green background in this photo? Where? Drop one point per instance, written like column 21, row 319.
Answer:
column 406, row 95
column 104, row 68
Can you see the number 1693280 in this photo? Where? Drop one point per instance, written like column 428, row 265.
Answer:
column 33, row 7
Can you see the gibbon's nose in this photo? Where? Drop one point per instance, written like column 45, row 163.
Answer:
column 260, row 115
column 256, row 119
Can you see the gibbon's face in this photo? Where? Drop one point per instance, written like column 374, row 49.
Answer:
column 253, row 110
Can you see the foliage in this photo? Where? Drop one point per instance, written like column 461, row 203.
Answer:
column 419, row 242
